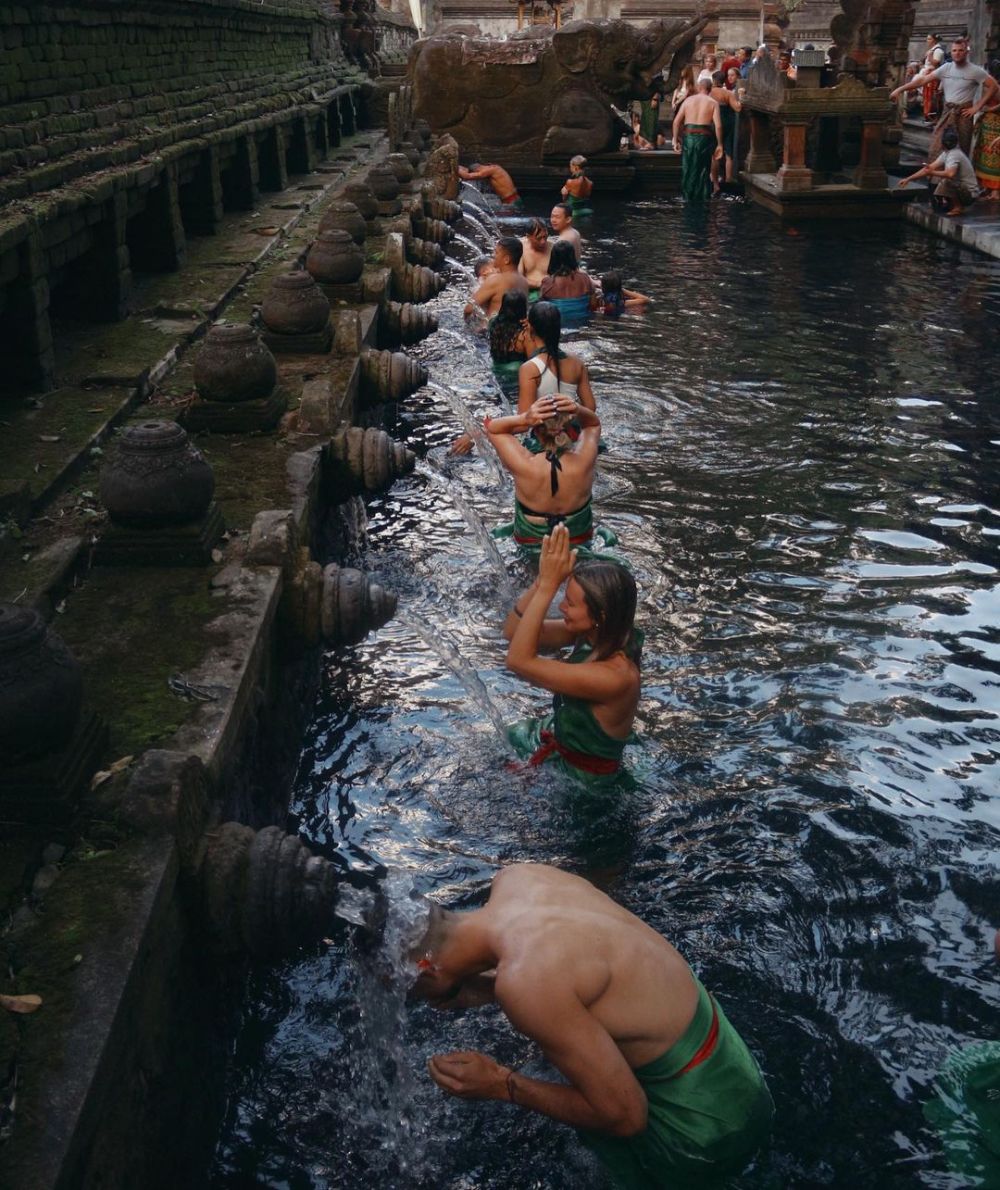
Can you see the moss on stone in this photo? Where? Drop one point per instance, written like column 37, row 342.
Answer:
column 130, row 636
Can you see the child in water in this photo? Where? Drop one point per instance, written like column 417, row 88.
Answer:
column 615, row 298
column 475, row 318
column 578, row 188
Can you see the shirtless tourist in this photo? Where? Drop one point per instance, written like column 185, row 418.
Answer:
column 699, row 122
column 489, row 295
column 562, row 224
column 535, row 254
column 658, row 1083
column 498, row 178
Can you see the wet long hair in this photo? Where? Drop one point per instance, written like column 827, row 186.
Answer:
column 610, row 595
column 507, row 325
column 562, row 261
column 536, row 225
column 545, row 320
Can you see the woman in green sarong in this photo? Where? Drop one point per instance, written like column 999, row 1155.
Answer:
column 578, row 188
column 597, row 688
column 552, row 485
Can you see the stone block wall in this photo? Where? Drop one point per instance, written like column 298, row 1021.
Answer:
column 125, row 128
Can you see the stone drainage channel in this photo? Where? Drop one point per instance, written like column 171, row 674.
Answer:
column 133, row 926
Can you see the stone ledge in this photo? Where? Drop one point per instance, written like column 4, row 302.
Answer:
column 979, row 229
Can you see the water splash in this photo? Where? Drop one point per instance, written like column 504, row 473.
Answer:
column 472, row 427
column 386, row 1117
column 469, row 243
column 467, row 272
column 433, row 637
column 489, row 237
column 477, row 527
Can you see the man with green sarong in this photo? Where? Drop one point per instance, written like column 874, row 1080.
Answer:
column 657, row 1081
column 699, row 122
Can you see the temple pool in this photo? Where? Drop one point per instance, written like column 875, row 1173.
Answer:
column 804, row 441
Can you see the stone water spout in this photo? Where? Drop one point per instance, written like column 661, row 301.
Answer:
column 425, row 252
column 390, row 375
column 410, row 282
column 404, row 323
column 367, row 460
column 263, row 892
column 434, row 230
column 443, row 209
column 335, row 605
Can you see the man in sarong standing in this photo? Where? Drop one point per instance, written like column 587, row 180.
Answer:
column 960, row 80
column 699, row 122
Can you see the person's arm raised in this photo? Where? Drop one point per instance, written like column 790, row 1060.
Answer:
column 597, row 681
column 554, row 633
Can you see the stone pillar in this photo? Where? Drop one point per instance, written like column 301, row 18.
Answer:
column 760, row 159
column 273, row 168
column 794, row 173
column 348, row 120
column 333, row 124
column 870, row 173
column 201, row 198
column 300, row 151
column 30, row 359
column 320, row 136
column 158, row 244
column 241, row 184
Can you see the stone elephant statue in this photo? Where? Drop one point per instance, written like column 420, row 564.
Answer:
column 542, row 92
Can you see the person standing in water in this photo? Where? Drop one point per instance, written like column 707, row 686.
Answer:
column 597, row 687
column 699, row 121
column 548, row 369
column 562, row 224
column 535, row 252
column 552, row 482
column 489, row 295
column 578, row 187
column 658, row 1082
column 500, row 181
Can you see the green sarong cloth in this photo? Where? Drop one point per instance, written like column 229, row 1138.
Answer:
column 534, row 295
column 966, row 1112
column 579, row 206
column 696, row 162
column 573, row 725
column 649, row 121
column 580, row 525
column 704, row 1123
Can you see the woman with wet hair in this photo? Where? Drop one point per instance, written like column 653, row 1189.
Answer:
column 507, row 336
column 548, row 369
column 566, row 285
column 553, row 479
column 597, row 687
column 578, row 188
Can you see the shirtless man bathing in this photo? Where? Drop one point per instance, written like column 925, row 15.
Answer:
column 536, row 251
column 489, row 295
column 659, row 1084
column 498, row 178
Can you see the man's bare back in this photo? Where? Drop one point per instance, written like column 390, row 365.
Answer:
column 496, row 175
column 698, row 109
column 556, row 934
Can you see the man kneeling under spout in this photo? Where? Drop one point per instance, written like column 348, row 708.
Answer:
column 661, row 1086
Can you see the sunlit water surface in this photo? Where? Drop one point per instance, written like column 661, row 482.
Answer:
column 803, row 445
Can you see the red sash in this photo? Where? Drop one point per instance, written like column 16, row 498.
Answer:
column 707, row 1048
column 601, row 766
column 579, row 539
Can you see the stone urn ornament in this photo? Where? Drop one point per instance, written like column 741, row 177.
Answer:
column 295, row 305
column 361, row 194
column 41, row 688
column 345, row 216
column 400, row 165
column 156, row 478
column 335, row 259
column 234, row 365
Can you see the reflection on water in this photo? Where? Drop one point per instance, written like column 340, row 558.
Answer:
column 803, row 443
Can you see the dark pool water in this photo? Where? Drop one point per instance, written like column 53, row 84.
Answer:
column 804, row 435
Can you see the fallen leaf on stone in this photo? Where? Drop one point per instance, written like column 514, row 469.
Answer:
column 23, row 1004
column 122, row 763
column 96, row 409
column 48, row 437
column 217, row 555
column 265, row 231
column 99, row 778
